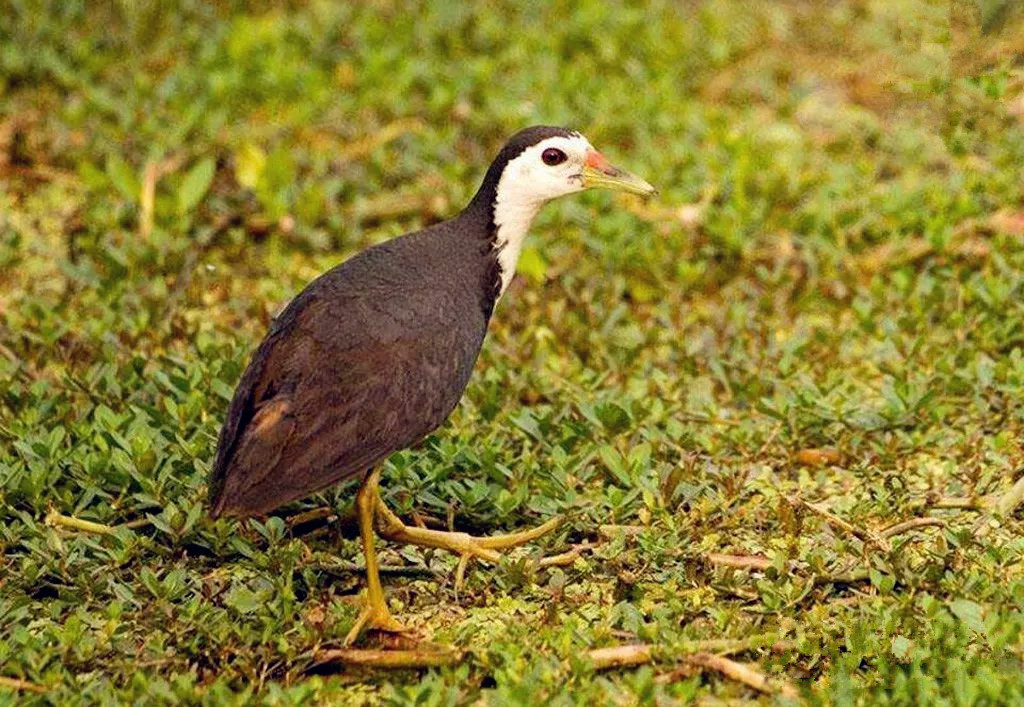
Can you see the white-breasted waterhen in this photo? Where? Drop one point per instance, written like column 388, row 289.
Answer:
column 374, row 355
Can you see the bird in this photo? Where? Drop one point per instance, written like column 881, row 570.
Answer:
column 373, row 355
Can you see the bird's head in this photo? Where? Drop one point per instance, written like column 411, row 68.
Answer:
column 544, row 163
column 537, row 165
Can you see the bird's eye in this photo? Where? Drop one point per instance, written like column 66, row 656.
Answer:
column 553, row 156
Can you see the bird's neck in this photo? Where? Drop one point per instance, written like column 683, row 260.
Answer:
column 509, row 213
column 512, row 219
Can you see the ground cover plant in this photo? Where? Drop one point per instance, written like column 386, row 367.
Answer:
column 780, row 406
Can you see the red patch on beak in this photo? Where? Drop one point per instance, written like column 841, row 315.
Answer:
column 596, row 160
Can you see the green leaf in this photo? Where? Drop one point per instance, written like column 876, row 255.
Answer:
column 614, row 417
column 883, row 582
column 527, row 422
column 195, row 185
column 244, row 600
column 970, row 613
column 222, row 389
column 123, row 178
column 901, row 648
column 532, row 265
column 614, row 463
column 250, row 164
column 281, row 171
column 149, row 580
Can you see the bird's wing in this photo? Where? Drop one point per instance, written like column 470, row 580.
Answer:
column 313, row 409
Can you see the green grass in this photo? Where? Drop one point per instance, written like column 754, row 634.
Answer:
column 836, row 260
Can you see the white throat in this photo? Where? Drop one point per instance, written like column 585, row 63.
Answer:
column 512, row 218
column 526, row 184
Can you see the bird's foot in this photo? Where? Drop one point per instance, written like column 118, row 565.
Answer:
column 375, row 615
column 467, row 546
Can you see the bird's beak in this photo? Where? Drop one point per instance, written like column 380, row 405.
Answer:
column 599, row 172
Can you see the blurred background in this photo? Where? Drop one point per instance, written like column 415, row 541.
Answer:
column 825, row 300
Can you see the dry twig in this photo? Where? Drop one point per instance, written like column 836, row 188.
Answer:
column 707, row 656
column 21, row 685
column 621, row 656
column 967, row 503
column 837, row 522
column 743, row 562
column 631, row 654
column 1009, row 501
column 741, row 673
column 1002, row 504
column 911, row 524
column 392, row 659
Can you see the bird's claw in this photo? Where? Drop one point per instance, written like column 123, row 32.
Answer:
column 373, row 618
column 467, row 546
column 560, row 560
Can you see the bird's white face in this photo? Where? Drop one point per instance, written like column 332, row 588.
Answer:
column 545, row 171
column 554, row 167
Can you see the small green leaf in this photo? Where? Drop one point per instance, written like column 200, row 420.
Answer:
column 883, row 582
column 614, row 417
column 901, row 648
column 280, row 169
column 222, row 389
column 243, row 600
column 250, row 164
column 527, row 422
column 195, row 185
column 123, row 178
column 532, row 265
column 970, row 613
column 614, row 463
column 149, row 580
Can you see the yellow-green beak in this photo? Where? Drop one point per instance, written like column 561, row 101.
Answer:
column 599, row 172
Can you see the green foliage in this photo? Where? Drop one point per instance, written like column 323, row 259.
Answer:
column 835, row 261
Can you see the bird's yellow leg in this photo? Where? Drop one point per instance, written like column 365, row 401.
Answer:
column 390, row 526
column 375, row 612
